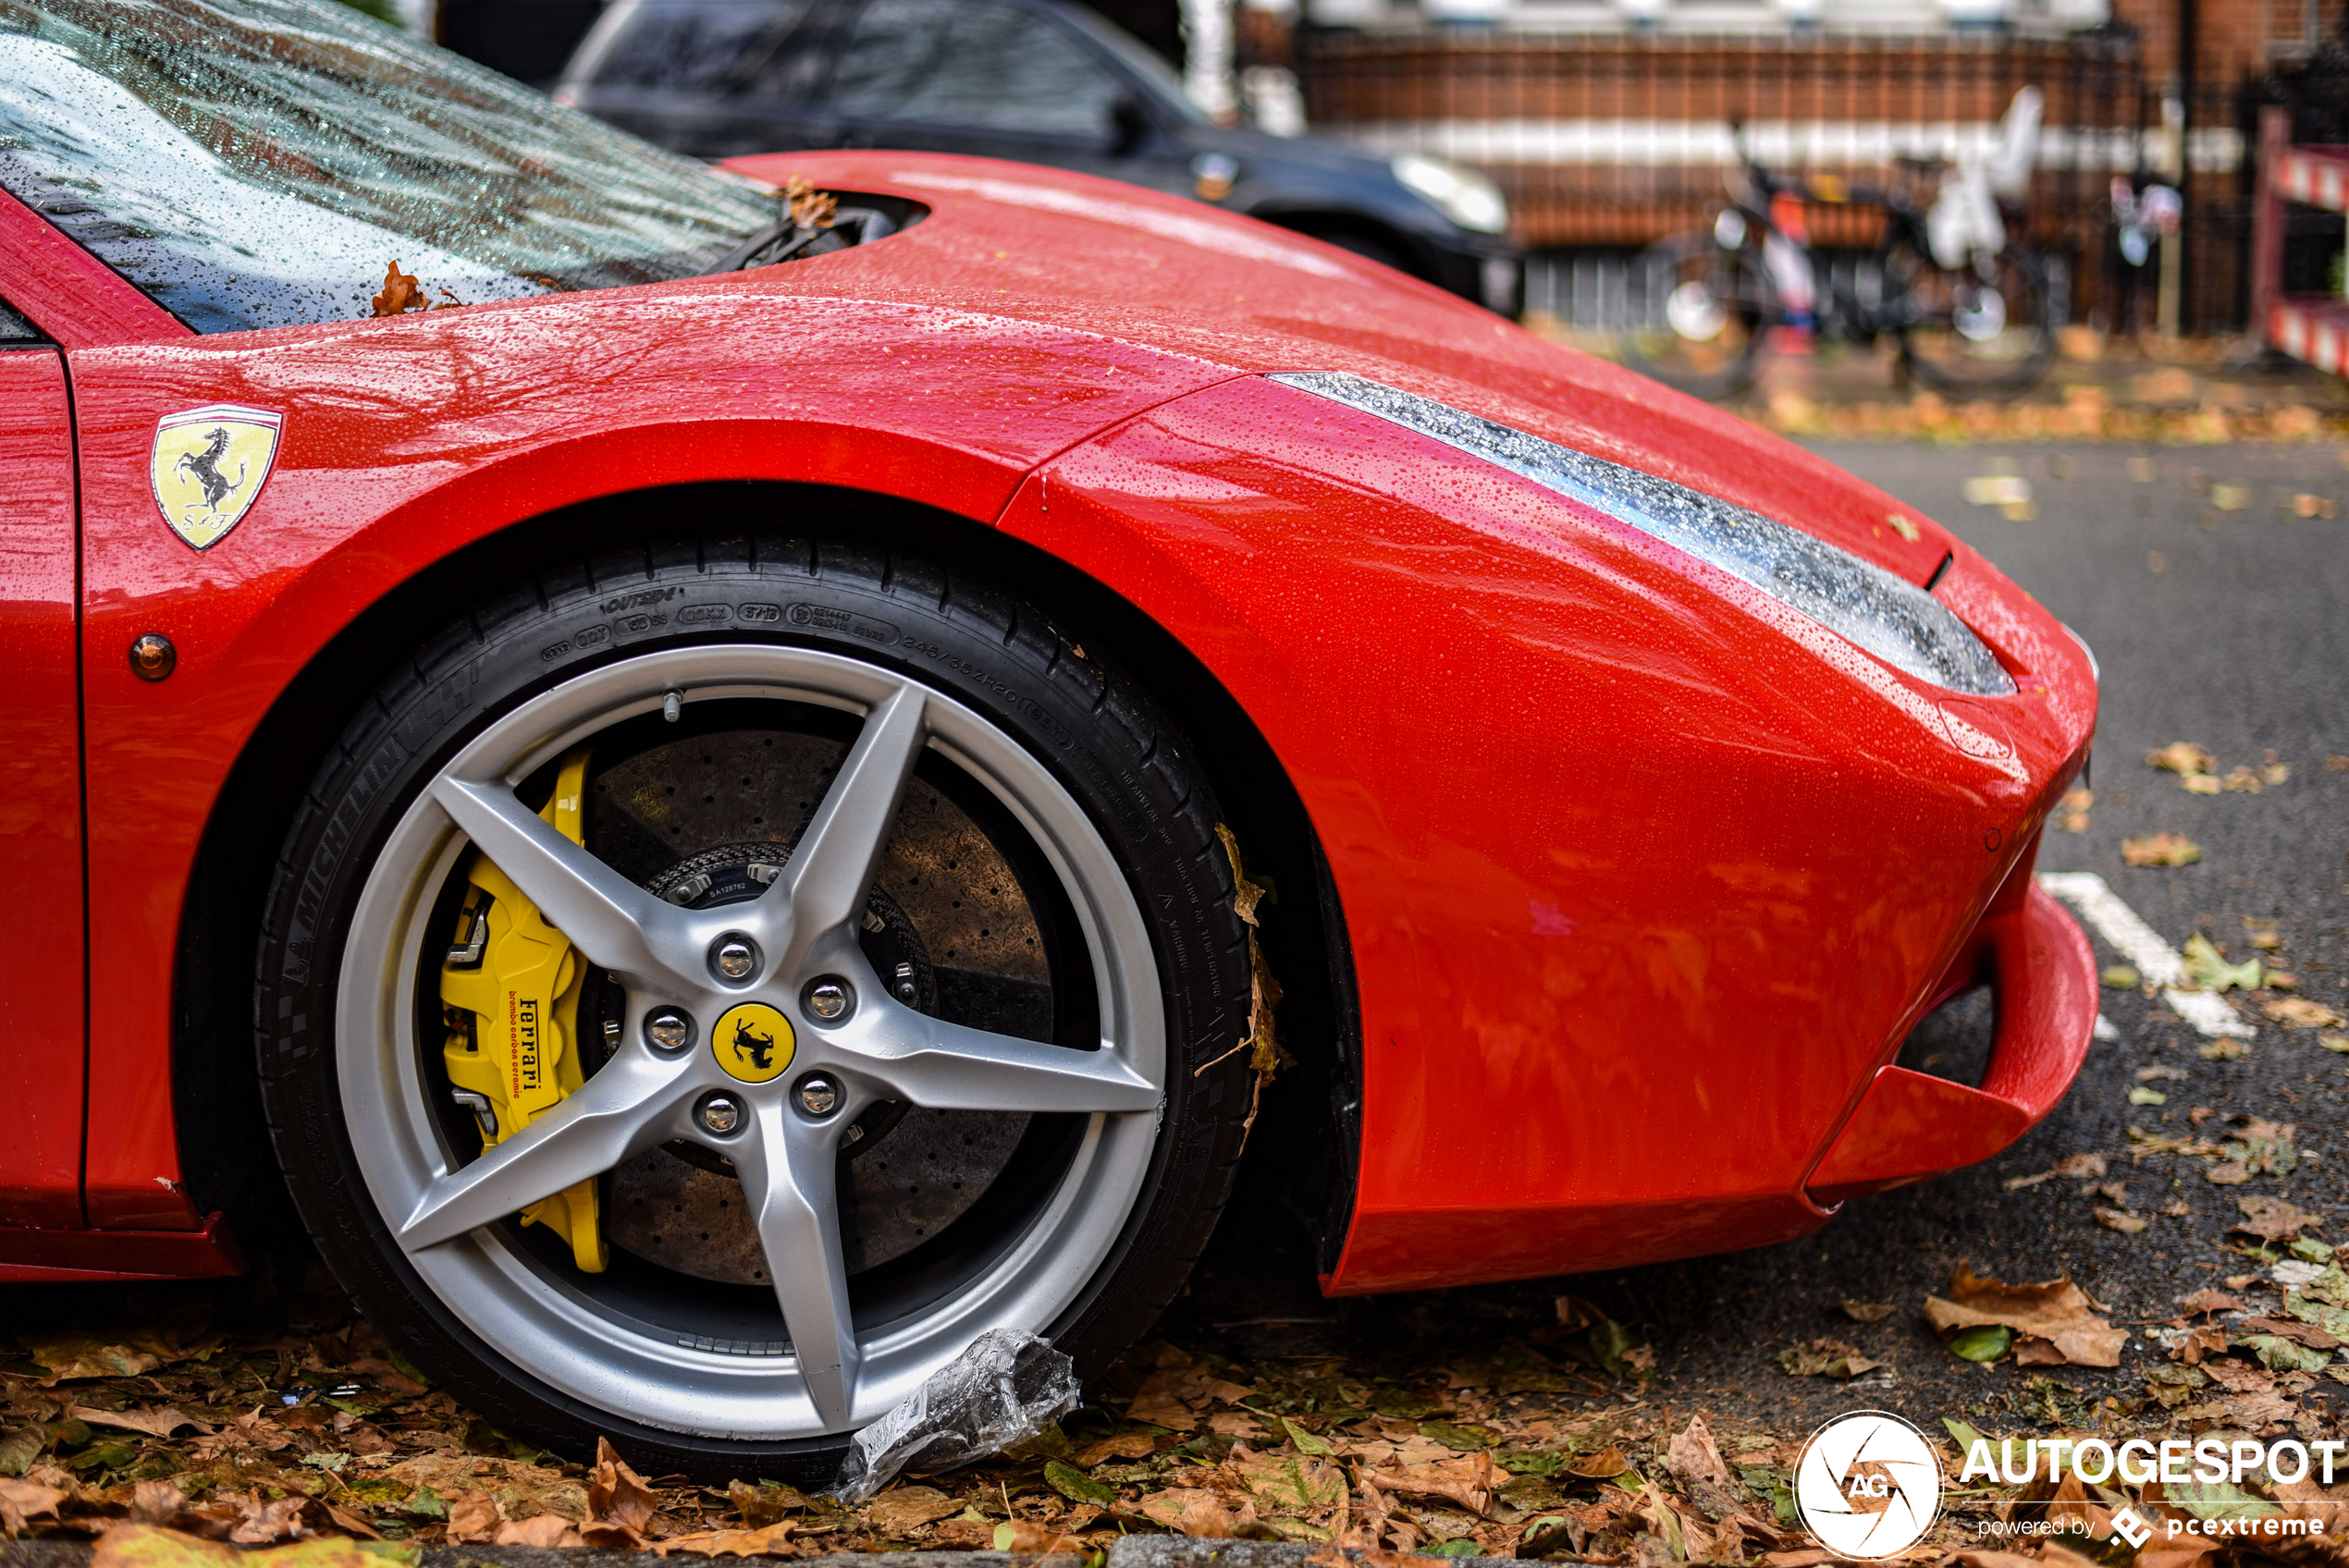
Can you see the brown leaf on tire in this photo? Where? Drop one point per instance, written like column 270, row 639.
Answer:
column 1265, row 1056
column 2055, row 1323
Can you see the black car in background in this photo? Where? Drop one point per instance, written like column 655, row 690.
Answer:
column 1040, row 81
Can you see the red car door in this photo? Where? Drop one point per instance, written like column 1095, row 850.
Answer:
column 42, row 1036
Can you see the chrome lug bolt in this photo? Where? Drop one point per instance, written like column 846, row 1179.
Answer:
column 818, row 1095
column 733, row 958
column 828, row 998
column 669, row 1030
column 719, row 1114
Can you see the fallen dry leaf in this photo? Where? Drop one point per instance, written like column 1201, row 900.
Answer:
column 541, row 1530
column 1469, row 1480
column 2183, row 757
column 2290, row 1328
column 2273, row 1218
column 768, row 1541
column 74, row 1360
column 2302, row 1013
column 1693, row 1457
column 1825, row 1358
column 1201, row 1510
column 811, row 208
column 2120, row 1219
column 2054, row 1321
column 402, row 292
column 909, row 1507
column 22, row 1501
column 134, row 1545
column 155, row 1423
column 266, row 1523
column 2160, row 849
column 619, row 1505
column 2208, row 1300
column 1605, row 1464
column 1125, row 1445
column 1866, row 1311
column 472, row 1516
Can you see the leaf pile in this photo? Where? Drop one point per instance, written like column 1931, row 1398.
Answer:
column 289, row 1423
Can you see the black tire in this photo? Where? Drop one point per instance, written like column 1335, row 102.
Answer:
column 1713, row 351
column 1004, row 660
column 1940, row 319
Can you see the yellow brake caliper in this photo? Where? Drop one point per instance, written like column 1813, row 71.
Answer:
column 510, row 996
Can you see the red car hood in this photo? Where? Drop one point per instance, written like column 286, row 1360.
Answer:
column 1092, row 255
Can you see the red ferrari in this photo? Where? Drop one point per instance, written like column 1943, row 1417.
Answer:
column 685, row 757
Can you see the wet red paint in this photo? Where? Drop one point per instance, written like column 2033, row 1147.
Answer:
column 1645, row 874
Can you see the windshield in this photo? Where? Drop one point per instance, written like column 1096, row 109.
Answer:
column 262, row 163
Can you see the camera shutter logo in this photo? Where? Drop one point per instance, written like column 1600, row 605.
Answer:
column 1867, row 1486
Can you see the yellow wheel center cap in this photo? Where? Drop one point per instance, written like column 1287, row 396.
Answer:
column 753, row 1042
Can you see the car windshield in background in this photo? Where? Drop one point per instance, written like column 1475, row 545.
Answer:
column 973, row 62
column 750, row 47
column 260, row 163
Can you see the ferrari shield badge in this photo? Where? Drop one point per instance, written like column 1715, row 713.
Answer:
column 209, row 464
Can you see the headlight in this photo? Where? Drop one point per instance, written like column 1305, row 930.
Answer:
column 1463, row 195
column 1894, row 619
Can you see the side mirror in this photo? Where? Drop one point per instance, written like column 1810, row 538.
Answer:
column 1129, row 126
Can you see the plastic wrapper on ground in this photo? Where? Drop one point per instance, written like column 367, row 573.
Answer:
column 1002, row 1391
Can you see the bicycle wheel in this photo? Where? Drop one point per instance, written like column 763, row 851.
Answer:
column 1982, row 329
column 1698, row 312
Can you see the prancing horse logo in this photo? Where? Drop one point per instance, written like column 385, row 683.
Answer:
column 760, row 1048
column 753, row 1042
column 206, row 466
column 209, row 466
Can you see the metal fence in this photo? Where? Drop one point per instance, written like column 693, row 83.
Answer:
column 1608, row 142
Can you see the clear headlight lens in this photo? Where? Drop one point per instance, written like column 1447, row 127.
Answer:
column 1461, row 194
column 1894, row 619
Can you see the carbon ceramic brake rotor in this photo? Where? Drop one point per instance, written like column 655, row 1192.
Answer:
column 947, row 921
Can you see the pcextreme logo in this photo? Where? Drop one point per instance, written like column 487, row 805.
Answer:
column 1867, row 1486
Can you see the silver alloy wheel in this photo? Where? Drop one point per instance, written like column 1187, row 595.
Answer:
column 444, row 1212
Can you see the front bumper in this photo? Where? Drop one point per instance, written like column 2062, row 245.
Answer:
column 1910, row 1126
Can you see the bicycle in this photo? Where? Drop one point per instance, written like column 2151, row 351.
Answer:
column 1967, row 305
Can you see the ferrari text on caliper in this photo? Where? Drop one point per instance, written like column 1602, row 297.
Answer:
column 509, row 994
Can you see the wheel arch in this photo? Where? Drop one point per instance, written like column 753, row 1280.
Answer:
column 1311, row 1111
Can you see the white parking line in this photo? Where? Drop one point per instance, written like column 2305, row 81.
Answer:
column 2137, row 942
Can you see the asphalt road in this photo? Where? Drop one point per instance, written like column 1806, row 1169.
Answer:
column 2226, row 628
